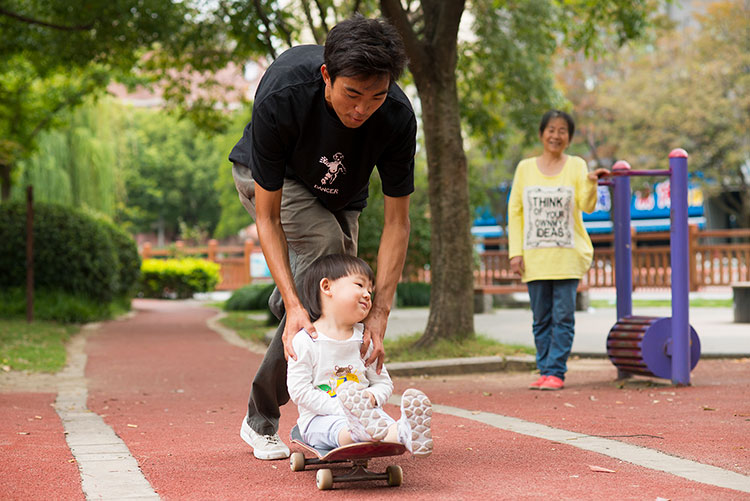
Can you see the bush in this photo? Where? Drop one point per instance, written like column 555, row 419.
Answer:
column 250, row 297
column 73, row 252
column 413, row 294
column 177, row 278
column 129, row 260
column 59, row 306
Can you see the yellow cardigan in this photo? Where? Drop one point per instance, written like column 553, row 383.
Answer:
column 545, row 222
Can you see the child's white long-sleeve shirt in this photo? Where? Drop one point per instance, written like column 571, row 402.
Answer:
column 324, row 363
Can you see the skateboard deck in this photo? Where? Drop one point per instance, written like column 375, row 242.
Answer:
column 356, row 455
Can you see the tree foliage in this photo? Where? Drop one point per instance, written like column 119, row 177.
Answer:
column 169, row 175
column 53, row 54
column 689, row 89
column 79, row 164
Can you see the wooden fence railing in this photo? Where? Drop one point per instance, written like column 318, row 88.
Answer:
column 717, row 257
column 233, row 259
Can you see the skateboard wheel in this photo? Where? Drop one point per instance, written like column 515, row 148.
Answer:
column 297, row 461
column 395, row 475
column 324, row 479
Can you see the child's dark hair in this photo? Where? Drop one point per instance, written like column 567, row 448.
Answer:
column 558, row 114
column 362, row 48
column 332, row 267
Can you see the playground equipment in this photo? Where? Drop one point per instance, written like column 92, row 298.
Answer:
column 665, row 347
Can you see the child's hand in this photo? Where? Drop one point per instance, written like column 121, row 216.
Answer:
column 372, row 399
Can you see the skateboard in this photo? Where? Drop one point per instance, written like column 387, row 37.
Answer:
column 354, row 455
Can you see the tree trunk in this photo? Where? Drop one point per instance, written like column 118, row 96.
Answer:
column 451, row 299
column 4, row 182
column 432, row 51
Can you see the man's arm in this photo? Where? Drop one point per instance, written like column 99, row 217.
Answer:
column 391, row 256
column 276, row 251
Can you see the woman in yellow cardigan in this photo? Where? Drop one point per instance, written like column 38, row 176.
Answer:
column 548, row 244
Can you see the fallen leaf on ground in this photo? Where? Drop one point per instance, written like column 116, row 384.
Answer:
column 486, row 393
column 600, row 469
column 707, row 408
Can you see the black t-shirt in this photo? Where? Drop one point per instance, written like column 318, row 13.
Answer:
column 294, row 134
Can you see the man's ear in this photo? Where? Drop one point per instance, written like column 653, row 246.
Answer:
column 326, row 76
column 325, row 286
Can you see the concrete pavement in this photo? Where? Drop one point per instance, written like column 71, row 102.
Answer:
column 718, row 333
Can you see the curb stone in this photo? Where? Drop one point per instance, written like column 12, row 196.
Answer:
column 448, row 366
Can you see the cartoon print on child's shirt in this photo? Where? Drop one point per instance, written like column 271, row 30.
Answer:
column 548, row 216
column 338, row 377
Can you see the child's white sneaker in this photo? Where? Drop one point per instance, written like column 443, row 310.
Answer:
column 414, row 426
column 365, row 422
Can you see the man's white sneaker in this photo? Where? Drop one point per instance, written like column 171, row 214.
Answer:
column 264, row 446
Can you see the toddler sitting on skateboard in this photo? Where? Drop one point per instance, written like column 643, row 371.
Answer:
column 339, row 399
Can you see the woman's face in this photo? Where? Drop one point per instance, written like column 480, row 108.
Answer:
column 556, row 137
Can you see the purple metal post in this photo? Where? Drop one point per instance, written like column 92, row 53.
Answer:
column 623, row 241
column 678, row 188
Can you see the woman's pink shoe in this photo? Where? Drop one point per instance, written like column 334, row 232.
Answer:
column 538, row 383
column 552, row 383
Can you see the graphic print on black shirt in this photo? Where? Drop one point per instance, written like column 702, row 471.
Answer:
column 335, row 167
column 294, row 134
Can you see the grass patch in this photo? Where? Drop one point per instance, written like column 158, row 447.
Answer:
column 35, row 347
column 402, row 349
column 60, row 306
column 250, row 325
column 656, row 303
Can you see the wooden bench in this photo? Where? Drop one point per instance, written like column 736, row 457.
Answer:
column 741, row 300
column 484, row 294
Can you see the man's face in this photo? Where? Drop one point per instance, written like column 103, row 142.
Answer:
column 355, row 99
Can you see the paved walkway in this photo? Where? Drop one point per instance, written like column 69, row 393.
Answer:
column 718, row 334
column 150, row 407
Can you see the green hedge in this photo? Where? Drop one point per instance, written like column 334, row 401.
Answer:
column 177, row 278
column 250, row 297
column 73, row 252
column 128, row 258
column 413, row 294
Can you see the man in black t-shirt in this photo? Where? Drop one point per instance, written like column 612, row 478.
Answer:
column 323, row 118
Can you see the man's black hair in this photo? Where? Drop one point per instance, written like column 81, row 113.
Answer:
column 558, row 114
column 362, row 48
column 332, row 267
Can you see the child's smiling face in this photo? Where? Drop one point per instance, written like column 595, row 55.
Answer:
column 351, row 297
